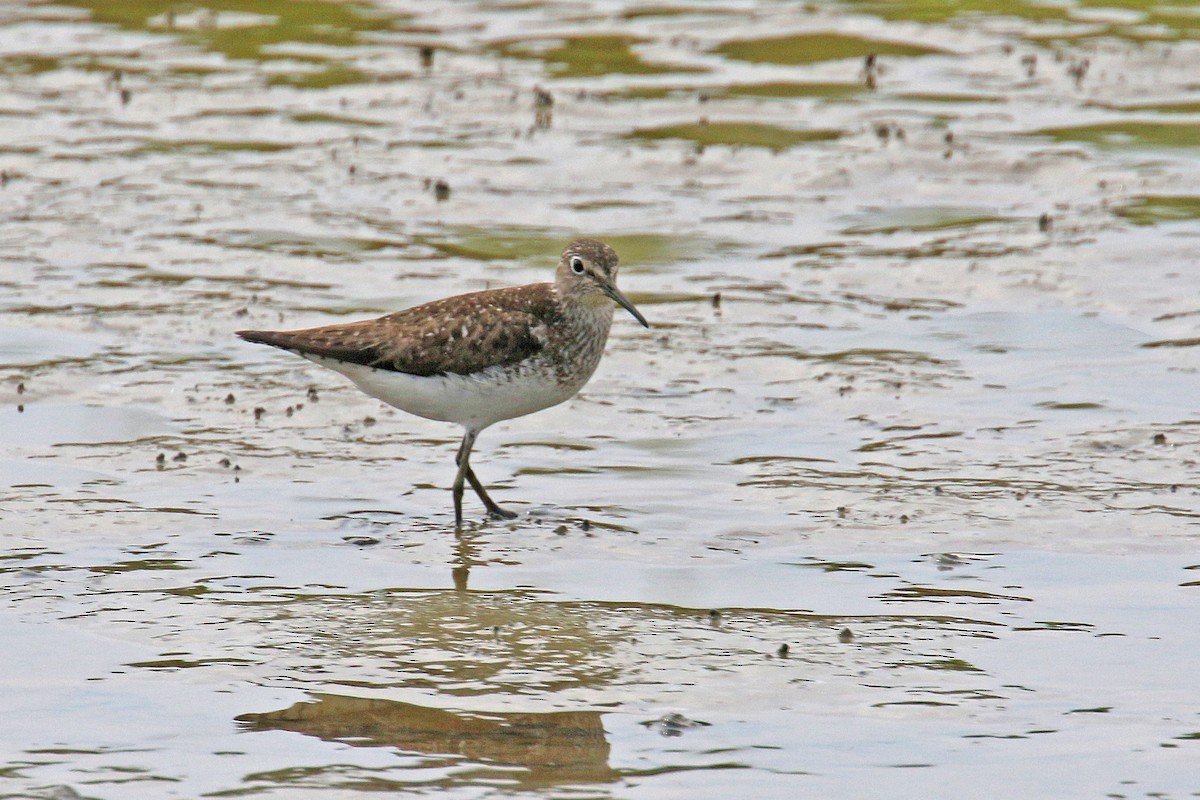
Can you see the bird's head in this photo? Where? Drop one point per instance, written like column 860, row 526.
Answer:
column 588, row 270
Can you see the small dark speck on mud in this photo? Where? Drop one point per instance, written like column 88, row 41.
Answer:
column 1078, row 71
column 561, row 530
column 871, row 72
column 312, row 394
column 543, row 108
column 441, row 190
column 714, row 616
column 289, row 411
column 843, row 512
column 426, row 52
column 1160, row 438
column 20, row 408
column 161, row 458
column 368, row 421
column 259, row 413
column 126, row 96
column 361, row 541
column 937, row 490
column 180, row 457
column 1030, row 64
column 585, row 526
column 845, row 635
column 904, row 519
column 783, row 650
column 230, row 399
column 226, row 463
column 716, row 300
column 1174, row 488
column 4, row 177
column 351, row 169
column 242, row 312
column 1045, row 223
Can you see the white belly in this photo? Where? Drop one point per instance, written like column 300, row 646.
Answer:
column 475, row 401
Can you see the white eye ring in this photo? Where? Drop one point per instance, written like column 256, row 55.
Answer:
column 577, row 265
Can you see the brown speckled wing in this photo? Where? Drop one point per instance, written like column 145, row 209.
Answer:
column 458, row 335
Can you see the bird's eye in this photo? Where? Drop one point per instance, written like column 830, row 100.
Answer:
column 577, row 265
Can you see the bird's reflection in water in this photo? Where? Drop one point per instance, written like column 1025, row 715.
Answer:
column 552, row 748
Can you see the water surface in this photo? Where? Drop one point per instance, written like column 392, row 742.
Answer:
column 898, row 496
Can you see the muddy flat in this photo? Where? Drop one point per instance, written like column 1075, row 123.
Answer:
column 897, row 497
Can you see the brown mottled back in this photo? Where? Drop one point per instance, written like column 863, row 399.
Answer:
column 458, row 335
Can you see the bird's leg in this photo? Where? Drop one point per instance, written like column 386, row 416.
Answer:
column 489, row 503
column 463, row 468
column 463, row 460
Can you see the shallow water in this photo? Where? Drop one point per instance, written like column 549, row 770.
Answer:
column 918, row 401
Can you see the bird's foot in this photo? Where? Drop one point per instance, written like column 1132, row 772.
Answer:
column 496, row 512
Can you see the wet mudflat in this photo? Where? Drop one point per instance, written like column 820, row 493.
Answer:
column 898, row 496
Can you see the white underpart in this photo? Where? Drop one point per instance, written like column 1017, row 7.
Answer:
column 474, row 401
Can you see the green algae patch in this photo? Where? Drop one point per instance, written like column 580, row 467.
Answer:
column 254, row 29
column 1177, row 107
column 917, row 219
column 328, row 76
column 29, row 64
column 318, row 118
column 206, row 147
column 587, row 56
column 1133, row 134
column 496, row 244
column 941, row 10
column 339, row 248
column 1153, row 209
column 543, row 246
column 951, row 97
column 790, row 89
column 651, row 92
column 1172, row 343
column 639, row 12
column 813, row 48
column 782, row 90
column 736, row 134
column 638, row 250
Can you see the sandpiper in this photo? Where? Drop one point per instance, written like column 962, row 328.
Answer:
column 478, row 358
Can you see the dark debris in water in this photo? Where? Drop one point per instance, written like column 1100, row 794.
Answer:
column 673, row 724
